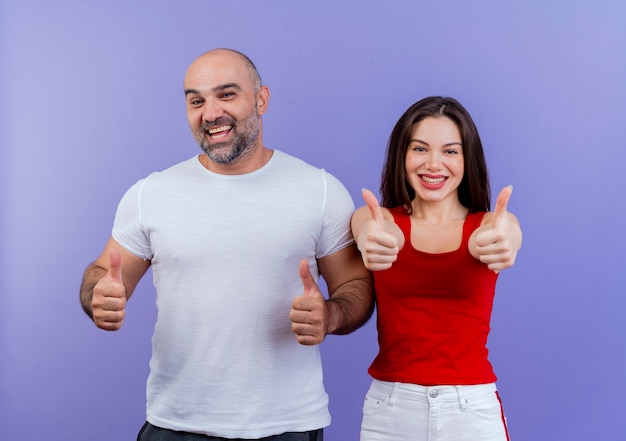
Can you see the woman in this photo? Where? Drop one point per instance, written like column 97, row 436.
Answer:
column 435, row 250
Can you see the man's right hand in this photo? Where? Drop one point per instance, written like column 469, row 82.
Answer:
column 109, row 296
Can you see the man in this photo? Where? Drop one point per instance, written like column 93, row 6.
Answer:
column 233, row 237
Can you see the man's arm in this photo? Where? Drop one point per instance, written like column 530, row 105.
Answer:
column 350, row 289
column 350, row 303
column 108, row 283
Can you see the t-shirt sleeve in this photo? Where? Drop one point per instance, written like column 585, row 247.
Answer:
column 338, row 210
column 128, row 228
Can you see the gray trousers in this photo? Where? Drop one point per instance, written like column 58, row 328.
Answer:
column 153, row 433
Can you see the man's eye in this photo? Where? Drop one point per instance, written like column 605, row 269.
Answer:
column 228, row 94
column 195, row 102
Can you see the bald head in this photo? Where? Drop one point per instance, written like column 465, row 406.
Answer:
column 221, row 58
column 225, row 102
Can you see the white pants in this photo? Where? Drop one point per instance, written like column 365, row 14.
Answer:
column 408, row 412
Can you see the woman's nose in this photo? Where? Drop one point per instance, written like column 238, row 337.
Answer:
column 434, row 161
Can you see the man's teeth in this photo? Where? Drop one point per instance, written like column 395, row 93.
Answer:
column 433, row 180
column 219, row 129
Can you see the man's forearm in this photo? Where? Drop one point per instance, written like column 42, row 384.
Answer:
column 350, row 306
column 91, row 276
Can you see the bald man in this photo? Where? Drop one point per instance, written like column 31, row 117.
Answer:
column 237, row 238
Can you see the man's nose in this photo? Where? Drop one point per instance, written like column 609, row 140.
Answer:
column 212, row 110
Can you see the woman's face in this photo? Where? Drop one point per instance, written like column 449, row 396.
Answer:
column 434, row 159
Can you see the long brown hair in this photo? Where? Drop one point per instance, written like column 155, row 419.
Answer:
column 473, row 190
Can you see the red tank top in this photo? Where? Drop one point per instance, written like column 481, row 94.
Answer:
column 433, row 314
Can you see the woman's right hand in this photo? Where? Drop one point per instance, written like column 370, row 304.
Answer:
column 378, row 238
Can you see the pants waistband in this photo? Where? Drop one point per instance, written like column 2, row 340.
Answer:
column 430, row 393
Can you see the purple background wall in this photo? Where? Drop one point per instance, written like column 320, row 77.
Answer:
column 91, row 100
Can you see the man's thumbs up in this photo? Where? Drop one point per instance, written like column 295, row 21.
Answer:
column 109, row 296
column 115, row 267
column 308, row 311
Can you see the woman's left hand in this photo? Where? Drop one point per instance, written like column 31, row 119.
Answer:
column 497, row 241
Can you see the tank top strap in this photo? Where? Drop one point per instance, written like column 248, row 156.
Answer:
column 402, row 220
column 472, row 221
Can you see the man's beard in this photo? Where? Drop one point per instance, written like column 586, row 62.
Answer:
column 245, row 136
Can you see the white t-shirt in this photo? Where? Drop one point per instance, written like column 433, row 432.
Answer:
column 225, row 251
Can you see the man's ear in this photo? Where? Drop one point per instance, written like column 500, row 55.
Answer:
column 263, row 99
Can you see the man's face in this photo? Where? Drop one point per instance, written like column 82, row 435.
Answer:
column 222, row 107
column 227, row 139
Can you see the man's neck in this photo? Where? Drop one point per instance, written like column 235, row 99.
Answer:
column 252, row 162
